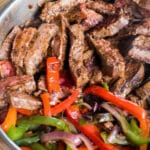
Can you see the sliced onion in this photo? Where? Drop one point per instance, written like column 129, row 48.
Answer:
column 86, row 141
column 71, row 146
column 113, row 111
column 60, row 135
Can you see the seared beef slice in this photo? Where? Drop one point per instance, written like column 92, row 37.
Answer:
column 51, row 10
column 59, row 42
column 23, row 100
column 144, row 91
column 19, row 83
column 38, row 49
column 141, row 49
column 7, row 44
column 77, row 68
column 20, row 47
column 134, row 75
column 112, row 62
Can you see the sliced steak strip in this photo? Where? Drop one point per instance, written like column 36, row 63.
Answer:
column 92, row 18
column 140, row 49
column 7, row 44
column 144, row 28
column 10, row 82
column 23, row 100
column 38, row 49
column 101, row 7
column 110, row 29
column 20, row 47
column 94, row 72
column 51, row 10
column 59, row 43
column 144, row 92
column 77, row 68
column 86, row 17
column 112, row 62
column 134, row 75
column 6, row 69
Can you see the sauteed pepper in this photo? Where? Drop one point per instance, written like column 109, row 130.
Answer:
column 27, row 123
column 90, row 130
column 132, row 108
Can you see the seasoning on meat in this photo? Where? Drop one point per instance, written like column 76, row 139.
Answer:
column 110, row 29
column 5, row 84
column 140, row 49
column 101, row 7
column 6, row 69
column 51, row 10
column 38, row 49
column 23, row 100
column 134, row 75
column 7, row 44
column 112, row 62
column 20, row 48
column 59, row 42
column 77, row 69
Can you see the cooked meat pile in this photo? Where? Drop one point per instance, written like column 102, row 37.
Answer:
column 96, row 41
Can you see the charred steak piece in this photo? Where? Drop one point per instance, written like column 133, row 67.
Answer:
column 112, row 62
column 23, row 100
column 134, row 75
column 51, row 10
column 101, row 7
column 107, row 29
column 59, row 42
column 38, row 49
column 86, row 17
column 21, row 45
column 6, row 69
column 144, row 92
column 92, row 18
column 7, row 44
column 140, row 49
column 77, row 68
column 27, row 82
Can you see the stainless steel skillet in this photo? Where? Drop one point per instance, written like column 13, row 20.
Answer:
column 14, row 12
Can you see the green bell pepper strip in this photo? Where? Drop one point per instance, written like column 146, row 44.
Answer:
column 37, row 146
column 28, row 140
column 28, row 123
column 132, row 136
column 134, row 126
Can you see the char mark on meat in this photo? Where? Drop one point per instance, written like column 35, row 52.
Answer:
column 59, row 42
column 6, row 46
column 134, row 75
column 52, row 10
column 144, row 92
column 112, row 62
column 84, row 16
column 21, row 45
column 38, row 49
column 140, row 49
column 78, row 70
column 6, row 69
column 23, row 100
column 19, row 83
column 101, row 7
column 110, row 26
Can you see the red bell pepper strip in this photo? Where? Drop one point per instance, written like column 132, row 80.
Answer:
column 90, row 130
column 25, row 148
column 25, row 112
column 46, row 104
column 64, row 104
column 52, row 74
column 129, row 106
column 10, row 119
